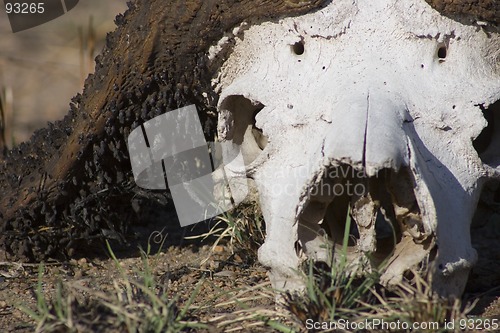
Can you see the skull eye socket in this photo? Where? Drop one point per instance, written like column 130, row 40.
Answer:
column 488, row 142
column 237, row 120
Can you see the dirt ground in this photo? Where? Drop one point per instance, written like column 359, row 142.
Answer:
column 42, row 69
column 233, row 285
column 230, row 281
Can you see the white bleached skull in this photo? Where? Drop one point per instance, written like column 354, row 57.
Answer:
column 367, row 108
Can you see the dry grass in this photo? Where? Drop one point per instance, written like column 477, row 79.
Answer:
column 143, row 301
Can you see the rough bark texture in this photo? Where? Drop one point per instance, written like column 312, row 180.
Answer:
column 72, row 181
column 469, row 10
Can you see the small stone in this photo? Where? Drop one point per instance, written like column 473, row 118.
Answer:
column 78, row 274
column 219, row 249
column 17, row 314
column 225, row 273
column 214, row 265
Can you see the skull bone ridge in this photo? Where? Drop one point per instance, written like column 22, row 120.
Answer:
column 367, row 109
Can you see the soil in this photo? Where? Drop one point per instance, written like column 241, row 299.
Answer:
column 228, row 274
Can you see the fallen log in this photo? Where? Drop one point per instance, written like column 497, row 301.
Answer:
column 72, row 182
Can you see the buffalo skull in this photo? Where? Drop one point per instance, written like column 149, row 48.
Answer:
column 367, row 109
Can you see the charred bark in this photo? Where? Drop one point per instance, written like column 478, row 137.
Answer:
column 469, row 11
column 72, row 182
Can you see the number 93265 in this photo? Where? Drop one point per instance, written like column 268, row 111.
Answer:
column 479, row 324
column 24, row 8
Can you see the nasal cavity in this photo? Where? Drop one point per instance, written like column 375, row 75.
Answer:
column 442, row 52
column 298, row 48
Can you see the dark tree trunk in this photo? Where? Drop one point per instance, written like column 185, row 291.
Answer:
column 72, row 181
column 469, row 11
